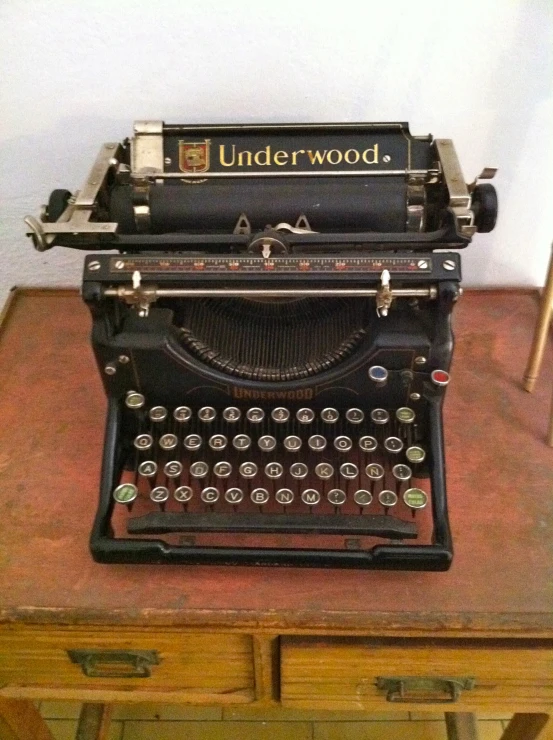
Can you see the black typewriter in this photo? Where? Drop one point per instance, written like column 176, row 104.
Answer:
column 271, row 310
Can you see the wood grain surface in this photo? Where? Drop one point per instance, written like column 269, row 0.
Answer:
column 500, row 479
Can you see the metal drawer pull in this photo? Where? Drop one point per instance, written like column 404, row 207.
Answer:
column 115, row 663
column 424, row 690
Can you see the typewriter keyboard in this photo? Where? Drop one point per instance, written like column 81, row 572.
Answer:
column 212, row 469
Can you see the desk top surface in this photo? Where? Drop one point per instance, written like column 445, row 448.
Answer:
column 500, row 483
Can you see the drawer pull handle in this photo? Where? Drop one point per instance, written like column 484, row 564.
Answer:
column 115, row 663
column 424, row 690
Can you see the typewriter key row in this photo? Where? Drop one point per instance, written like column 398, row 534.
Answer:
column 414, row 498
column 279, row 415
column 292, row 443
column 272, row 470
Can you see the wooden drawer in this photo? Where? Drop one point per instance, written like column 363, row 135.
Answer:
column 205, row 667
column 344, row 673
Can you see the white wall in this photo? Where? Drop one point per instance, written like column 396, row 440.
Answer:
column 75, row 74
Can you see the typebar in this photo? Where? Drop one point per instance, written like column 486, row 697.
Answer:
column 375, row 526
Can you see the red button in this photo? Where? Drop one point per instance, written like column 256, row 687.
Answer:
column 440, row 377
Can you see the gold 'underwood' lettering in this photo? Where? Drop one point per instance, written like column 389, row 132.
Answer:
column 281, row 156
column 334, row 156
column 248, row 157
column 356, row 155
column 316, row 157
column 295, row 154
column 222, row 155
column 374, row 158
column 260, row 153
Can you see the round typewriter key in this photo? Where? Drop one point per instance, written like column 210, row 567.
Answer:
column 158, row 413
column 183, row 494
column 393, row 445
column 143, row 442
column 292, row 443
column 324, row 471
column 241, row 442
column 298, row 470
column 168, row 441
column 274, row 470
column 192, row 442
column 374, row 471
column 362, row 497
column 343, row 443
column 218, row 442
column 317, row 442
column 310, row 496
column 172, row 469
column 234, row 495
column 209, row 495
column 280, row 415
column 182, row 413
column 380, row 416
column 405, row 415
column 199, row 469
column 222, row 469
column 368, row 443
column 402, row 472
column 439, row 377
column 330, row 416
column 415, row 454
column 349, row 471
column 378, row 374
column 207, row 413
column 248, row 470
column 125, row 493
column 355, row 416
column 148, row 468
column 159, row 494
column 284, row 496
column 415, row 498
column 305, row 416
column 266, row 443
column 232, row 414
column 255, row 415
column 336, row 497
column 387, row 498
column 259, row 496
column 134, row 400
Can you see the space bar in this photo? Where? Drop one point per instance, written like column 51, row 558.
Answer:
column 375, row 525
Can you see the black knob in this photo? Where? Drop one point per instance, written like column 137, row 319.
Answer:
column 485, row 207
column 57, row 203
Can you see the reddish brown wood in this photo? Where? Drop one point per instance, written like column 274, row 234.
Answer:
column 499, row 479
column 21, row 720
column 529, row 727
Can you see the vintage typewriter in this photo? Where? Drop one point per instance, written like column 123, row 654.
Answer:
column 272, row 324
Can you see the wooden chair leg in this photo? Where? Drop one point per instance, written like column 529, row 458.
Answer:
column 461, row 726
column 21, row 720
column 529, row 727
column 94, row 721
column 541, row 332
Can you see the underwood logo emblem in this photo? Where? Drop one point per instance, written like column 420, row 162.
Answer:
column 194, row 156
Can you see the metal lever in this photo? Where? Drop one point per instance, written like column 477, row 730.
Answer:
column 384, row 295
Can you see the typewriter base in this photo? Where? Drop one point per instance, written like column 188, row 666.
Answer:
column 106, row 548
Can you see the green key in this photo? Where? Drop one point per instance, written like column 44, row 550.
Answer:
column 405, row 415
column 125, row 493
column 415, row 498
column 415, row 454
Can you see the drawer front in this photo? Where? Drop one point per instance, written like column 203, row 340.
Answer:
column 204, row 665
column 364, row 674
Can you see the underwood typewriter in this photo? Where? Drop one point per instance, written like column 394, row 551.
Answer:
column 271, row 309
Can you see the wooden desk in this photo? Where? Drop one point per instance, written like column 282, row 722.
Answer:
column 295, row 638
